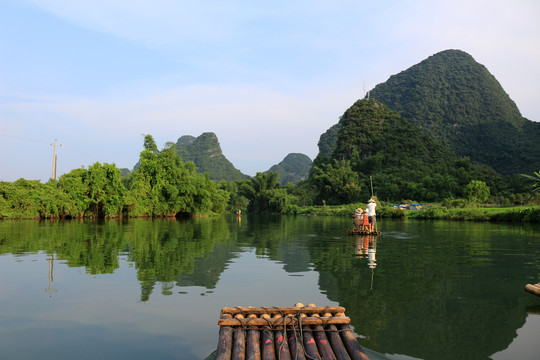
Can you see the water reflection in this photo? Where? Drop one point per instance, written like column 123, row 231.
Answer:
column 451, row 286
column 51, row 267
column 366, row 245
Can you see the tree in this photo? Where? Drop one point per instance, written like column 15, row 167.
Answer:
column 260, row 190
column 336, row 183
column 75, row 188
column 106, row 190
column 150, row 144
column 163, row 185
column 477, row 191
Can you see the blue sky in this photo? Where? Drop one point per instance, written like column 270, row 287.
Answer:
column 267, row 77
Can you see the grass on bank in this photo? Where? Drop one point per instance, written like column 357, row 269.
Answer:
column 431, row 212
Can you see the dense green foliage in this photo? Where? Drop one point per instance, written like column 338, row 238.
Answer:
column 403, row 162
column 205, row 152
column 327, row 141
column 457, row 102
column 535, row 180
column 477, row 192
column 265, row 194
column 293, row 168
column 161, row 185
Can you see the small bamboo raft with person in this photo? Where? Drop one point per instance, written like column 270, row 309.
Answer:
column 285, row 333
column 365, row 221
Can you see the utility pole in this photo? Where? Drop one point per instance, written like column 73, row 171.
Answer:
column 54, row 160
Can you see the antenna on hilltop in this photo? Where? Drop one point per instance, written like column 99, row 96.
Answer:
column 54, row 160
column 364, row 80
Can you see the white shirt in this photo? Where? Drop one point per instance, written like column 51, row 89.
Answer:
column 371, row 208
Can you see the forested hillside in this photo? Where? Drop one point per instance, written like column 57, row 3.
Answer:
column 403, row 161
column 205, row 152
column 457, row 102
column 293, row 168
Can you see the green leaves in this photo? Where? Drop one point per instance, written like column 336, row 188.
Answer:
column 337, row 183
column 477, row 191
column 162, row 185
column 535, row 180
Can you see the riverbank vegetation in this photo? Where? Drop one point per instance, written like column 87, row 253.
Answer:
column 161, row 185
column 529, row 213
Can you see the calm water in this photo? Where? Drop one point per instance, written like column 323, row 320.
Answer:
column 145, row 289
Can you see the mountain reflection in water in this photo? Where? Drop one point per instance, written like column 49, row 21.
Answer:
column 154, row 288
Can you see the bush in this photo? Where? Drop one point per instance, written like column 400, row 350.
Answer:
column 518, row 215
column 454, row 203
column 433, row 212
column 291, row 209
column 469, row 214
column 389, row 212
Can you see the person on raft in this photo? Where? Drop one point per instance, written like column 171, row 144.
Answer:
column 358, row 215
column 366, row 227
column 371, row 212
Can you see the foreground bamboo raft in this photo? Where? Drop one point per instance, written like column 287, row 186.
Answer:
column 533, row 289
column 284, row 333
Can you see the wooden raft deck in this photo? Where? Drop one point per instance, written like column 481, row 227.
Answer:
column 283, row 333
column 359, row 232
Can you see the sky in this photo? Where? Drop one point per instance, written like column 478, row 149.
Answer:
column 268, row 78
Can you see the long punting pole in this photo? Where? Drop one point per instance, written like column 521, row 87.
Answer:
column 371, row 179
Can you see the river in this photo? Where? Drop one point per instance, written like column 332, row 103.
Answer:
column 143, row 288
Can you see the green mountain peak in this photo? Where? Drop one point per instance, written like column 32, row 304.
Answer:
column 293, row 168
column 461, row 105
column 206, row 153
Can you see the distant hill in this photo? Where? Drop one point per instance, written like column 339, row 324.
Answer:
column 206, row 153
column 405, row 163
column 293, row 168
column 457, row 102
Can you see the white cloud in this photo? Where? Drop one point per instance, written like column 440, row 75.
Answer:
column 256, row 127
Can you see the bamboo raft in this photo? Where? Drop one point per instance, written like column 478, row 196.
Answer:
column 361, row 232
column 285, row 333
column 533, row 289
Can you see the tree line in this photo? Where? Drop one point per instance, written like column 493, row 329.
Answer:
column 161, row 185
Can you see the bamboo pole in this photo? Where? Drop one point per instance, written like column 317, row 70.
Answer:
column 353, row 347
column 322, row 341
column 282, row 310
column 282, row 345
column 295, row 341
column 239, row 345
column 267, row 342
column 253, row 348
column 224, row 349
column 533, row 289
column 337, row 344
column 289, row 320
column 310, row 346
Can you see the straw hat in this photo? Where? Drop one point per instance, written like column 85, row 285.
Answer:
column 371, row 200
